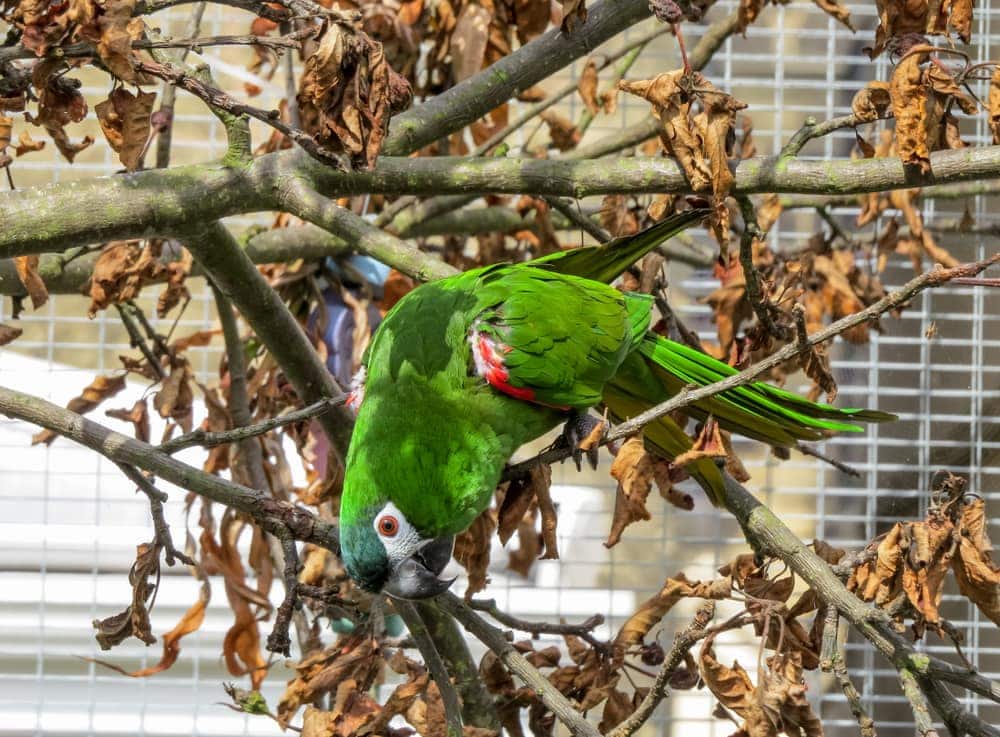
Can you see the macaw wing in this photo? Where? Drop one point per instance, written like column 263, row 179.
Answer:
column 553, row 339
column 607, row 262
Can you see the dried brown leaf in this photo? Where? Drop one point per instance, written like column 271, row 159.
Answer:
column 633, row 469
column 134, row 620
column 909, row 104
column 124, row 118
column 574, row 15
column 121, row 271
column 138, row 416
column 101, row 388
column 978, row 576
column 9, row 333
column 731, row 686
column 27, row 271
column 472, row 550
column 562, row 130
column 587, row 86
column 708, row 444
column 25, row 144
column 872, row 102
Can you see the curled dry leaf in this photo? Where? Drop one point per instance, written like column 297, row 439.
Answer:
column 782, row 698
column 617, row 217
column 121, row 271
column 700, row 142
column 472, row 550
column 993, row 104
column 633, row 469
column 124, row 118
column 134, row 620
column 350, row 91
column 587, row 87
column 708, row 444
column 730, row 685
column 9, row 333
column 59, row 104
column 138, row 416
column 909, row 104
column 519, row 496
column 563, row 132
column 651, row 611
column 352, row 710
column 977, row 574
column 101, row 388
column 25, row 144
column 352, row 658
column 27, row 272
column 574, row 15
column 872, row 102
column 190, row 621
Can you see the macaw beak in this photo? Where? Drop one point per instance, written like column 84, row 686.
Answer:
column 417, row 576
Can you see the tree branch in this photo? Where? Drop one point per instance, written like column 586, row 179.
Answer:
column 271, row 514
column 465, row 102
column 495, row 641
column 160, row 202
column 421, row 637
column 232, row 272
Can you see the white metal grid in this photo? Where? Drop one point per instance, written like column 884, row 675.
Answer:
column 70, row 523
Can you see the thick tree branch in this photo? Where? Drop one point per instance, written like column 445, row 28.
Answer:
column 465, row 102
column 160, row 202
column 435, row 665
column 309, row 205
column 231, row 271
column 269, row 513
column 766, row 532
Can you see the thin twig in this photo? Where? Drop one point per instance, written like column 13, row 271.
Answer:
column 918, row 704
column 762, row 306
column 516, row 663
column 583, row 630
column 161, row 529
column 683, row 642
column 208, row 439
column 216, row 98
column 812, row 128
column 432, row 658
column 839, row 465
column 832, row 661
column 137, row 341
column 279, row 641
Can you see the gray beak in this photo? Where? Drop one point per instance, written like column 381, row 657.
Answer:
column 417, row 576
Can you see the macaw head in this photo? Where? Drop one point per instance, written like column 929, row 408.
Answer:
column 383, row 552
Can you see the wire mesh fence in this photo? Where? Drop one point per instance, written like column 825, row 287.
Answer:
column 69, row 522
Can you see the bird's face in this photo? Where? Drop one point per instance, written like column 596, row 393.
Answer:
column 383, row 552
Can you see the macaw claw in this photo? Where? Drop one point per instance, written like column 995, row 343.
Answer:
column 579, row 426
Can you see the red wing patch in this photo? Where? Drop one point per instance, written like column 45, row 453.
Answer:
column 488, row 355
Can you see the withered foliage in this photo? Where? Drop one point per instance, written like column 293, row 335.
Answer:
column 349, row 91
column 698, row 122
column 909, row 564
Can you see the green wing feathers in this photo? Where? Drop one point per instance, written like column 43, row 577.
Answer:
column 759, row 411
column 607, row 262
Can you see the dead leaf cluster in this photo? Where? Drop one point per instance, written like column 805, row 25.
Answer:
column 348, row 93
column 698, row 123
column 912, row 560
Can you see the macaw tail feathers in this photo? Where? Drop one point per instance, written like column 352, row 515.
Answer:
column 661, row 368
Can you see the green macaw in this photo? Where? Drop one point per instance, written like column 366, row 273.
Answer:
column 464, row 371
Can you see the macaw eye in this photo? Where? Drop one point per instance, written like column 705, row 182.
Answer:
column 388, row 525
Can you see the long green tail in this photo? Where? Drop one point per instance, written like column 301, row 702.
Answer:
column 661, row 368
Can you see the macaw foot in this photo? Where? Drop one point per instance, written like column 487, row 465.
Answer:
column 578, row 428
